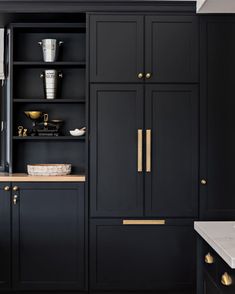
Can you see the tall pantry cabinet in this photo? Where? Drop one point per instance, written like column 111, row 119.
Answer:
column 143, row 151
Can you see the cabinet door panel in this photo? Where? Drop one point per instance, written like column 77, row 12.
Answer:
column 171, row 48
column 48, row 237
column 142, row 257
column 172, row 184
column 116, row 48
column 116, row 186
column 5, row 229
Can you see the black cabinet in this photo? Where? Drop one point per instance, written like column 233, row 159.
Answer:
column 159, row 48
column 116, row 186
column 48, row 236
column 5, row 236
column 142, row 257
column 217, row 119
column 116, row 47
column 168, row 156
column 171, row 185
column 210, row 287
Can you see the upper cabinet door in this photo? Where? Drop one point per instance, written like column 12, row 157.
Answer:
column 48, row 237
column 116, row 48
column 172, row 173
column 116, row 185
column 171, row 49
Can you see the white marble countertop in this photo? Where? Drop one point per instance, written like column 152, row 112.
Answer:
column 221, row 237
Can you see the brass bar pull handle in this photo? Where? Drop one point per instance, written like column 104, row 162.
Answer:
column 148, row 151
column 140, row 150
column 143, row 222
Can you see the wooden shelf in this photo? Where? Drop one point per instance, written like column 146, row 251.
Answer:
column 4, row 177
column 52, row 138
column 48, row 100
column 81, row 64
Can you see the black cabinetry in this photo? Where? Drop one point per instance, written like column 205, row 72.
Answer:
column 47, row 229
column 133, row 48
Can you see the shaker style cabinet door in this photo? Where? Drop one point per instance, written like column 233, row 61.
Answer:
column 5, row 239
column 116, row 185
column 116, row 48
column 171, row 49
column 48, row 236
column 171, row 187
column 142, row 257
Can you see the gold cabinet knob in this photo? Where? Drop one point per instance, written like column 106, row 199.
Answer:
column 6, row 188
column 15, row 188
column 140, row 75
column 203, row 182
column 226, row 279
column 209, row 259
column 148, row 75
column 15, row 197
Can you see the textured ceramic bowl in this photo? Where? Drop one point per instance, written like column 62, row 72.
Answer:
column 49, row 169
column 77, row 132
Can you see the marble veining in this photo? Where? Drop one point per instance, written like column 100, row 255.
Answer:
column 221, row 237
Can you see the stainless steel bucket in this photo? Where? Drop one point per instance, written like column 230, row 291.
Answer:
column 50, row 49
column 51, row 82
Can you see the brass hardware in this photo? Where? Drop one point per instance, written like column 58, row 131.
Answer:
column 148, row 151
column 209, row 259
column 15, row 197
column 33, row 114
column 20, row 131
column 6, row 188
column 226, row 279
column 203, row 182
column 143, row 222
column 140, row 150
column 15, row 188
column 148, row 75
column 25, row 133
column 140, row 75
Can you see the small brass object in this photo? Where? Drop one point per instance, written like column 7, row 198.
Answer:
column 15, row 188
column 148, row 75
column 15, row 197
column 25, row 133
column 140, row 75
column 33, row 114
column 6, row 188
column 140, row 150
column 143, row 222
column 45, row 118
column 20, row 131
column 209, row 259
column 226, row 279
column 203, row 182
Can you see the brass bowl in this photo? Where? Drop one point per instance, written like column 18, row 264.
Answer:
column 33, row 114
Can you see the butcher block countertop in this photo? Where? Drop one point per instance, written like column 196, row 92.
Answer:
column 221, row 237
column 5, row 177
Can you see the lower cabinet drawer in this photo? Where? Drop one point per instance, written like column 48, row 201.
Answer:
column 142, row 256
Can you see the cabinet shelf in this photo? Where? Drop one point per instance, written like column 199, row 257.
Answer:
column 41, row 138
column 42, row 64
column 16, row 100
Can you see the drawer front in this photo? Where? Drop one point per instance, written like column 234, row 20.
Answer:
column 226, row 277
column 135, row 256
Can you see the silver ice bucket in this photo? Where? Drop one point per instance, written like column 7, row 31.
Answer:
column 51, row 83
column 50, row 49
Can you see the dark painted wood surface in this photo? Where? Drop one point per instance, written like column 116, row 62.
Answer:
column 5, row 237
column 171, row 188
column 116, row 48
column 171, row 49
column 116, row 187
column 48, row 237
column 142, row 257
column 217, row 118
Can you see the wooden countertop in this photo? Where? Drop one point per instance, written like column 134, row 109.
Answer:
column 5, row 177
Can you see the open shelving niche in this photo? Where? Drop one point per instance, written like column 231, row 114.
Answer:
column 25, row 92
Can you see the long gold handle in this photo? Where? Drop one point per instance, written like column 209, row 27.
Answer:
column 143, row 222
column 226, row 279
column 140, row 150
column 209, row 259
column 15, row 197
column 148, row 151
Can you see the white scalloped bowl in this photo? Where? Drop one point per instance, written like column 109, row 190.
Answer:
column 49, row 169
